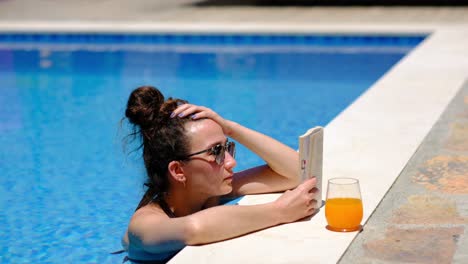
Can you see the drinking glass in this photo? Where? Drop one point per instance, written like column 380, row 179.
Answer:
column 343, row 207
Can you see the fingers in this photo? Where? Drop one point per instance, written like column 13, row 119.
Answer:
column 310, row 195
column 314, row 191
column 312, row 203
column 311, row 199
column 311, row 207
column 203, row 113
column 190, row 109
column 311, row 211
column 180, row 109
column 309, row 184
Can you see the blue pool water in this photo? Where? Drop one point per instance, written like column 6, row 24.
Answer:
column 67, row 189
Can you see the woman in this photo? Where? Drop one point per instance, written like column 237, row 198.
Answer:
column 190, row 165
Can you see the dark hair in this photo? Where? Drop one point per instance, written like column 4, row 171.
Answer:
column 163, row 138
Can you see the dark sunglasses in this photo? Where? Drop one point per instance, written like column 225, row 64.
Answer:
column 219, row 151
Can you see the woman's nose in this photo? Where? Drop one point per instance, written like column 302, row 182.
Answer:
column 229, row 161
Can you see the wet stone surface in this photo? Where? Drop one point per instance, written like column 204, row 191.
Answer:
column 415, row 245
column 457, row 139
column 444, row 173
column 424, row 216
column 426, row 209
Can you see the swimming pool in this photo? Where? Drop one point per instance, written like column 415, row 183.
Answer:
column 67, row 188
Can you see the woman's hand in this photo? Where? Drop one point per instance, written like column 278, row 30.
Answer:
column 197, row 112
column 298, row 203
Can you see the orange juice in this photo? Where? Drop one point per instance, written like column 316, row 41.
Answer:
column 343, row 214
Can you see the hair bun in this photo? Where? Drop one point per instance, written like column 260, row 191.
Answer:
column 143, row 106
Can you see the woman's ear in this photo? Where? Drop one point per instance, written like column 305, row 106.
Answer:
column 176, row 171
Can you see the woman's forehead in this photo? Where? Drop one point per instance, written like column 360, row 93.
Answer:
column 204, row 133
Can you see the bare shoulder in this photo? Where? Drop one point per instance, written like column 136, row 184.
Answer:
column 152, row 231
column 148, row 213
column 144, row 219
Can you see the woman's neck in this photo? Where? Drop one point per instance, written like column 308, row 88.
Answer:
column 182, row 204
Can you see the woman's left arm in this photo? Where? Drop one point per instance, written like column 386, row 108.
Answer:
column 282, row 169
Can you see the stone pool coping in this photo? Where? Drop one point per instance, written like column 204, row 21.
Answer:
column 424, row 216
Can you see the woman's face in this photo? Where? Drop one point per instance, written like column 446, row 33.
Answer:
column 204, row 176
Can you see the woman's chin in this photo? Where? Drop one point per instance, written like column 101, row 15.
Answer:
column 226, row 188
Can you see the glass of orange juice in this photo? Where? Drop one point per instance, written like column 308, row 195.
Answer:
column 343, row 207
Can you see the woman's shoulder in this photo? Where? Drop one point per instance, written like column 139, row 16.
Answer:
column 146, row 233
column 145, row 217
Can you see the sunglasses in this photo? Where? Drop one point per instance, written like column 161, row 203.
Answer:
column 219, row 151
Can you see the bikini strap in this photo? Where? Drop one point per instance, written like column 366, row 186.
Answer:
column 164, row 206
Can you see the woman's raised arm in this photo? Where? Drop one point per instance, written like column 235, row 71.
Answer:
column 282, row 162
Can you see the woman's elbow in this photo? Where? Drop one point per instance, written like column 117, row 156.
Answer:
column 293, row 182
column 293, row 178
column 193, row 232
